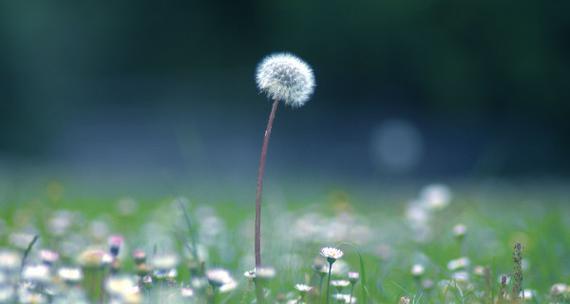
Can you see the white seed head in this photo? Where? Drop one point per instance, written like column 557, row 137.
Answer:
column 287, row 78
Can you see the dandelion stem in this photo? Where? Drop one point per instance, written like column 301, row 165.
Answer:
column 351, row 292
column 260, row 182
column 329, row 282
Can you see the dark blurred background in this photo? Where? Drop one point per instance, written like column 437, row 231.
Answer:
column 405, row 89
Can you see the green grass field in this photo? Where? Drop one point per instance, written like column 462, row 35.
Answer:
column 382, row 239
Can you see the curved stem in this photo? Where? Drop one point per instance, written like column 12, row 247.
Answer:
column 260, row 183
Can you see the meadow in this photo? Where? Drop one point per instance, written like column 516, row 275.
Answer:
column 432, row 245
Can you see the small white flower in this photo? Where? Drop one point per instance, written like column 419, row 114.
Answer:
column 285, row 77
column 344, row 298
column 70, row 275
column 459, row 263
column 121, row 286
column 265, row 272
column 527, row 294
column 340, row 283
column 164, row 262
column 436, row 196
column 331, row 253
column 460, row 276
column 36, row 273
column 417, row 270
column 9, row 260
column 559, row 289
column 459, row 231
column 353, row 277
column 221, row 279
column 302, row 288
column 187, row 292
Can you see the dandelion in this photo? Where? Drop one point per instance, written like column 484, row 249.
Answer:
column 282, row 77
column 285, row 77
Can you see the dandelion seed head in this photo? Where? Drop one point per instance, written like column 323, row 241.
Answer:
column 287, row 78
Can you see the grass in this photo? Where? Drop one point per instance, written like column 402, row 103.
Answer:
column 375, row 236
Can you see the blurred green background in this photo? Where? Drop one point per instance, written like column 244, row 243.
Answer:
column 165, row 90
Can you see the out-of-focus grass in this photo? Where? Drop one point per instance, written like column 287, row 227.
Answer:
column 388, row 251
